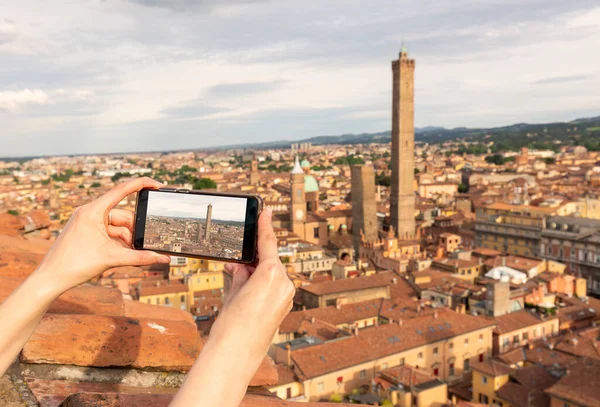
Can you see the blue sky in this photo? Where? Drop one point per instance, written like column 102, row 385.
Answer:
column 128, row 75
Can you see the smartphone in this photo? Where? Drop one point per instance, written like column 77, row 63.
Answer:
column 189, row 223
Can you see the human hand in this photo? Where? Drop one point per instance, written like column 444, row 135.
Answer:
column 89, row 245
column 259, row 298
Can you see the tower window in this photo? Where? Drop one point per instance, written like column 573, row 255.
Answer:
column 316, row 232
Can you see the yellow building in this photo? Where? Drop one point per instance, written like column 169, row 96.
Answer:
column 406, row 386
column 515, row 229
column 168, row 293
column 445, row 342
column 488, row 377
column 518, row 328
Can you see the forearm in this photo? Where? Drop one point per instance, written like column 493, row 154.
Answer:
column 220, row 375
column 20, row 314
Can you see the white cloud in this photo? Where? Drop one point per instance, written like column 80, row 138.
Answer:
column 14, row 99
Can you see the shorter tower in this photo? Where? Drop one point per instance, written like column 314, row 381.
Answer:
column 298, row 198
column 199, row 231
column 208, row 222
column 364, row 207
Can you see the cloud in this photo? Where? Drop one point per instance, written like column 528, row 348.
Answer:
column 191, row 5
column 194, row 108
column 242, row 88
column 561, row 79
column 14, row 99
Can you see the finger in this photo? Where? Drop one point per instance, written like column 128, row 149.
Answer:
column 122, row 233
column 241, row 274
column 121, row 191
column 121, row 217
column 130, row 257
column 267, row 242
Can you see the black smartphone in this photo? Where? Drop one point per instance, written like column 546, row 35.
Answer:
column 197, row 224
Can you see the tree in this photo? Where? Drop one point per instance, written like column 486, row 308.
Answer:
column 205, row 183
column 349, row 160
column 384, row 180
column 462, row 188
column 46, row 181
column 550, row 160
column 336, row 398
column 495, row 159
column 95, row 185
column 417, row 171
column 13, row 212
column 81, row 186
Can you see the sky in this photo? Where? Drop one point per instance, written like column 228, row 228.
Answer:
column 100, row 76
column 194, row 206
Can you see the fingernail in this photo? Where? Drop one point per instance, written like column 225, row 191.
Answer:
column 164, row 259
column 269, row 212
column 229, row 267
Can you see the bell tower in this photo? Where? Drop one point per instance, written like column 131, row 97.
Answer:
column 298, row 200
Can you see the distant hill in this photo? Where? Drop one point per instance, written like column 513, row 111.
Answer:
column 584, row 131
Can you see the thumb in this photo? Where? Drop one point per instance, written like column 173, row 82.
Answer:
column 130, row 257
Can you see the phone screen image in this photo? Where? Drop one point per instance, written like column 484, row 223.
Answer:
column 201, row 225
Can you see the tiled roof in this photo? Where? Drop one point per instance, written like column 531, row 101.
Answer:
column 581, row 385
column 161, row 289
column 377, row 342
column 517, row 320
column 493, row 368
column 349, row 284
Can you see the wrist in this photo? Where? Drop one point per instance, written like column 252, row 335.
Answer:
column 45, row 283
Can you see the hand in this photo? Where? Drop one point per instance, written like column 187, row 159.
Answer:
column 260, row 297
column 89, row 245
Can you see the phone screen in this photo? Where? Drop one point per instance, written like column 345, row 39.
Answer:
column 202, row 225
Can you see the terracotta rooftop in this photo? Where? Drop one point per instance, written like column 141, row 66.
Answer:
column 349, row 284
column 377, row 342
column 493, row 368
column 580, row 386
column 517, row 320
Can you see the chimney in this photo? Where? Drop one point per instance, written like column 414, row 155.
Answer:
column 435, row 315
column 400, row 322
column 304, row 308
column 288, row 348
column 312, row 320
column 394, row 280
column 504, row 261
column 355, row 330
column 338, row 306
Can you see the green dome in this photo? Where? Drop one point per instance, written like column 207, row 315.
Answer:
column 310, row 184
column 304, row 163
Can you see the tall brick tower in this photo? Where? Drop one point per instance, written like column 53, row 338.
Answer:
column 208, row 222
column 364, row 208
column 402, row 199
column 254, row 177
column 298, row 206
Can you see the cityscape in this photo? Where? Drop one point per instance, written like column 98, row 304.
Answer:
column 221, row 237
column 452, row 266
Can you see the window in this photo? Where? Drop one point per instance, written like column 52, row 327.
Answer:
column 451, row 346
column 535, row 333
column 320, row 387
column 436, row 371
column 420, row 355
column 483, row 399
column 435, row 351
column 481, row 338
column 363, row 374
column 214, row 278
column 516, row 339
column 543, row 331
column 316, row 233
column 166, row 300
column 401, row 361
column 148, row 300
column 158, row 301
column 288, row 393
column 484, row 379
column 481, row 357
column 451, row 369
column 525, row 336
column 466, row 365
column 182, row 298
column 466, row 341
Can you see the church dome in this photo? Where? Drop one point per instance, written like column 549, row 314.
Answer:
column 310, row 184
column 304, row 163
